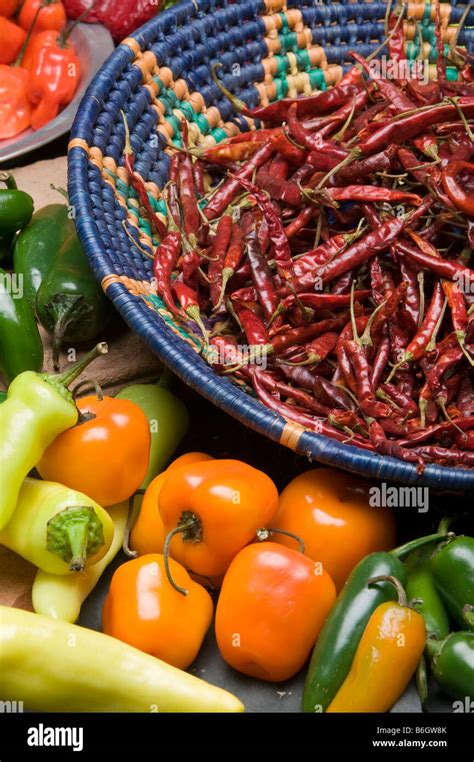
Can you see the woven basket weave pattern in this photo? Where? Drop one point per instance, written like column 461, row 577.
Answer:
column 268, row 49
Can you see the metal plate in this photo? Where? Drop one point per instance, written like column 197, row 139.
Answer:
column 256, row 695
column 94, row 44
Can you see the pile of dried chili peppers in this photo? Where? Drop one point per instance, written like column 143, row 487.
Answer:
column 326, row 259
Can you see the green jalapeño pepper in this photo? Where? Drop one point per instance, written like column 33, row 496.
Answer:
column 453, row 570
column 37, row 245
column 70, row 303
column 38, row 408
column 168, row 419
column 341, row 633
column 421, row 587
column 57, row 529
column 453, row 664
column 20, row 343
column 16, row 207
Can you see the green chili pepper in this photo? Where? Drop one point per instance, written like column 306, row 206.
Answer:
column 6, row 246
column 38, row 244
column 38, row 408
column 453, row 570
column 20, row 343
column 16, row 207
column 70, row 304
column 421, row 586
column 341, row 633
column 452, row 664
column 168, row 419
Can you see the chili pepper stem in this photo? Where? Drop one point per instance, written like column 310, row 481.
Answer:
column 130, row 523
column 402, row 596
column 236, row 102
column 419, row 542
column 433, row 647
column 73, row 534
column 66, row 378
column 264, row 534
column 26, row 42
column 421, row 678
column 195, row 315
column 468, row 614
column 190, row 526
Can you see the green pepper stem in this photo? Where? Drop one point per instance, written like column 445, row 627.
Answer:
column 26, row 42
column 74, row 534
column 191, row 527
column 131, row 518
column 419, row 542
column 434, row 647
column 402, row 596
column 70, row 375
column 468, row 615
column 422, row 683
column 9, row 180
column 265, row 534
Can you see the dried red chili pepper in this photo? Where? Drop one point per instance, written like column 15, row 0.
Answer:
column 164, row 262
column 231, row 187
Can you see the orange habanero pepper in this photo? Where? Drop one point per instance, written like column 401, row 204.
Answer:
column 8, row 7
column 143, row 610
column 386, row 659
column 107, row 454
column 15, row 107
column 148, row 534
column 330, row 511
column 12, row 38
column 54, row 75
column 211, row 510
column 271, row 608
column 51, row 14
column 44, row 39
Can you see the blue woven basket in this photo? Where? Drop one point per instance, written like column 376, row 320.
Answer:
column 268, row 49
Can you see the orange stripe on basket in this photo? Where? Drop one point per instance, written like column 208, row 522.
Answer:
column 78, row 143
column 132, row 44
column 290, row 436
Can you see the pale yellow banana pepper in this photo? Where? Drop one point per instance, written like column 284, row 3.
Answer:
column 61, row 596
column 57, row 529
column 53, row 666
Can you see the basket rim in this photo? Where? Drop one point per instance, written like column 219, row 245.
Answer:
column 163, row 342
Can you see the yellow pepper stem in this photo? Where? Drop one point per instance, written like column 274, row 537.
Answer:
column 74, row 534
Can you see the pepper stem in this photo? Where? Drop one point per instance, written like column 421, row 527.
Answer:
column 191, row 527
column 236, row 102
column 66, row 378
column 264, row 534
column 422, row 682
column 74, row 534
column 23, row 48
column 9, row 180
column 402, row 596
column 468, row 615
column 419, row 542
column 131, row 518
column 434, row 647
column 66, row 33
